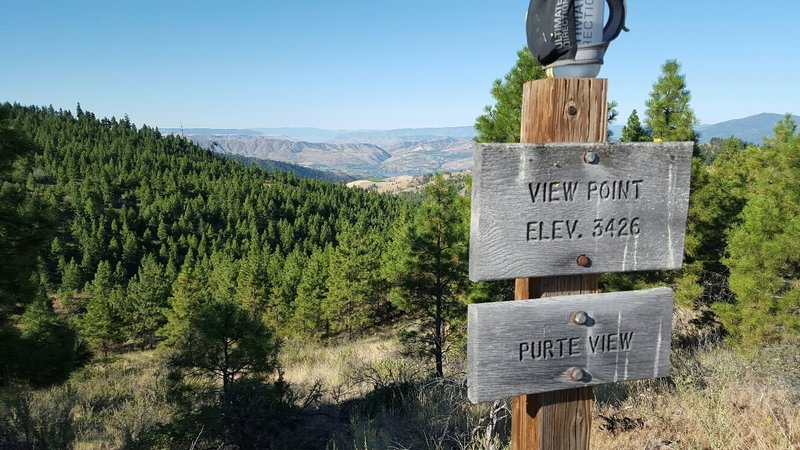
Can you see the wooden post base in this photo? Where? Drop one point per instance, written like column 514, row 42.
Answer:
column 555, row 420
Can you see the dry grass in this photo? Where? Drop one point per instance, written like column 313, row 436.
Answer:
column 306, row 364
column 373, row 398
column 393, row 185
column 719, row 400
column 107, row 405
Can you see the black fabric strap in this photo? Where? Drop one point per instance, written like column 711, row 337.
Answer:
column 617, row 10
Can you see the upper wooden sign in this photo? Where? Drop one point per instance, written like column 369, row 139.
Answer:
column 565, row 209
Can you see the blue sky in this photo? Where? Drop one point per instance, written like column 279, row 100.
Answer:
column 358, row 64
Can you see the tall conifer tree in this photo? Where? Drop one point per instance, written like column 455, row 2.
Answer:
column 633, row 131
column 145, row 301
column 669, row 116
column 427, row 266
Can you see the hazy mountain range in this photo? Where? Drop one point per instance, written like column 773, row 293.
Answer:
column 749, row 129
column 409, row 151
column 370, row 153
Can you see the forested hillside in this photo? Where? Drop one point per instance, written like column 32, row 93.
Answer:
column 132, row 210
column 118, row 239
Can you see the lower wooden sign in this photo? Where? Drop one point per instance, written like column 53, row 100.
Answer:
column 550, row 344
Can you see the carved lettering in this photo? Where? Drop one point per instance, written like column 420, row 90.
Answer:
column 573, row 343
column 564, row 191
column 556, row 234
column 553, row 191
column 555, row 187
column 625, row 341
column 607, row 343
column 570, row 347
column 614, row 190
column 593, row 340
column 552, row 231
column 570, row 187
column 566, row 229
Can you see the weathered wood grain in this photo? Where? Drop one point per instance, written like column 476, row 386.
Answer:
column 527, row 347
column 537, row 208
column 564, row 110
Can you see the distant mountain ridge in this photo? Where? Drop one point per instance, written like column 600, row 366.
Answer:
column 751, row 129
column 363, row 153
column 302, row 172
column 405, row 151
column 350, row 158
column 310, row 134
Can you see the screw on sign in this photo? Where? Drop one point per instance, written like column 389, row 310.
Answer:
column 580, row 318
column 576, row 374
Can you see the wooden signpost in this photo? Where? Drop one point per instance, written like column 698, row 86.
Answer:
column 564, row 214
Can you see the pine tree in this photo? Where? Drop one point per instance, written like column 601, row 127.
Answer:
column 719, row 193
column 252, row 282
column 49, row 345
column 145, row 299
column 223, row 342
column 427, row 266
column 764, row 251
column 102, row 324
column 189, row 294
column 283, row 291
column 308, row 318
column 356, row 297
column 502, row 121
column 669, row 116
column 25, row 221
column 104, row 280
column 633, row 131
column 222, row 277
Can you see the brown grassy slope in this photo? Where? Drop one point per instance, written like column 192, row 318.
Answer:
column 371, row 397
column 717, row 398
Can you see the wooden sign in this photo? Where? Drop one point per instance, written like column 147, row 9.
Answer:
column 555, row 343
column 566, row 209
